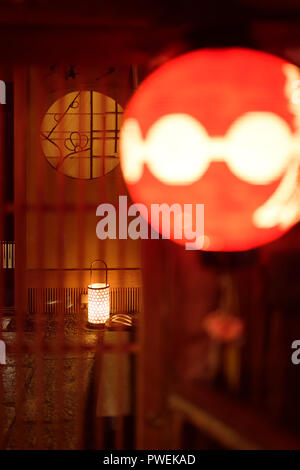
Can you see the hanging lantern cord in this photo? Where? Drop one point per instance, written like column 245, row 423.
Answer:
column 91, row 269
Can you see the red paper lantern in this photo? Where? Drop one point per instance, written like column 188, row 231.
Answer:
column 218, row 127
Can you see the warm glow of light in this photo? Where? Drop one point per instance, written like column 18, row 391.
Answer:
column 219, row 127
column 132, row 148
column 80, row 134
column 178, row 150
column 223, row 326
column 98, row 303
column 260, row 145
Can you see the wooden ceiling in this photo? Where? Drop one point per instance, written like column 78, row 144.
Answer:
column 137, row 31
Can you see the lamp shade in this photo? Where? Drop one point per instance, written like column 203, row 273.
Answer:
column 98, row 300
column 218, row 127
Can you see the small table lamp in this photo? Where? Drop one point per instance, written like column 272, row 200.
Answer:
column 98, row 300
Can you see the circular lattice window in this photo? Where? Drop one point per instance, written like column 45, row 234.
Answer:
column 80, row 134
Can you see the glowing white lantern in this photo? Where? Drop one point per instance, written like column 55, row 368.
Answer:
column 98, row 300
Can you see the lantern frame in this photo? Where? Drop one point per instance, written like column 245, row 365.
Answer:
column 99, row 316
